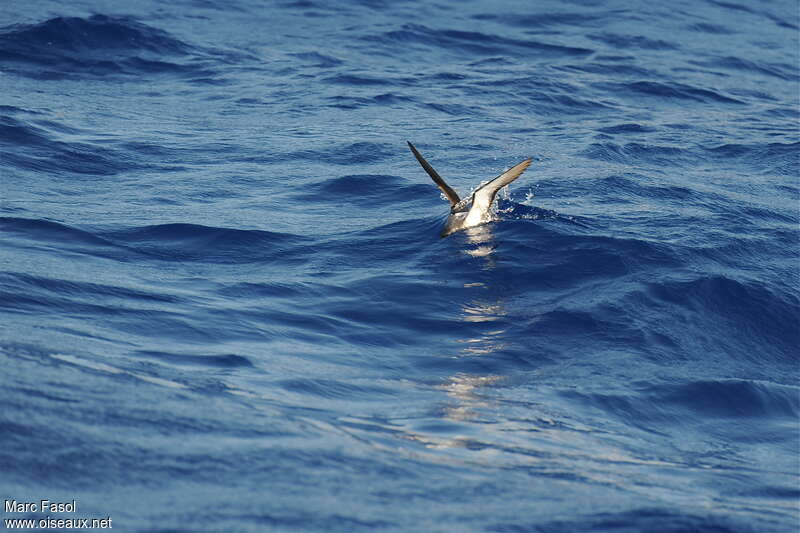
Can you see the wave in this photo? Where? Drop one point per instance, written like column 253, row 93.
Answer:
column 671, row 90
column 193, row 242
column 611, row 67
column 368, row 189
column 37, row 232
column 319, row 60
column 98, row 32
column 359, row 80
column 340, row 154
column 556, row 253
column 775, row 70
column 661, row 156
column 666, row 408
column 645, row 518
column 752, row 10
column 167, row 242
column 769, row 158
column 626, row 128
column 714, row 29
column 633, row 185
column 731, row 398
column 624, row 281
column 624, row 42
column 546, row 20
column 748, row 319
column 545, row 96
column 333, row 389
column 27, row 293
column 200, row 360
column 32, row 148
column 33, row 283
column 397, row 101
column 97, row 46
column 470, row 43
column 355, row 102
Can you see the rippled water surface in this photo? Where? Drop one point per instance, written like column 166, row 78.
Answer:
column 226, row 307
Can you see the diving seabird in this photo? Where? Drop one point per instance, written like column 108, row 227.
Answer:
column 477, row 208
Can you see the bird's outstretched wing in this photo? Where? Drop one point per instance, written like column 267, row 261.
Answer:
column 450, row 193
column 484, row 196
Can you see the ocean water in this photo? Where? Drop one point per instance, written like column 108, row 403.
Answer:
column 226, row 307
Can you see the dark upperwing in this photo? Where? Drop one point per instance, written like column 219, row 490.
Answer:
column 450, row 193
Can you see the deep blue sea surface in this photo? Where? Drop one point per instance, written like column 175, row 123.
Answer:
column 225, row 305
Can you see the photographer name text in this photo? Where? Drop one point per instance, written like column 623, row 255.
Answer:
column 50, row 507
